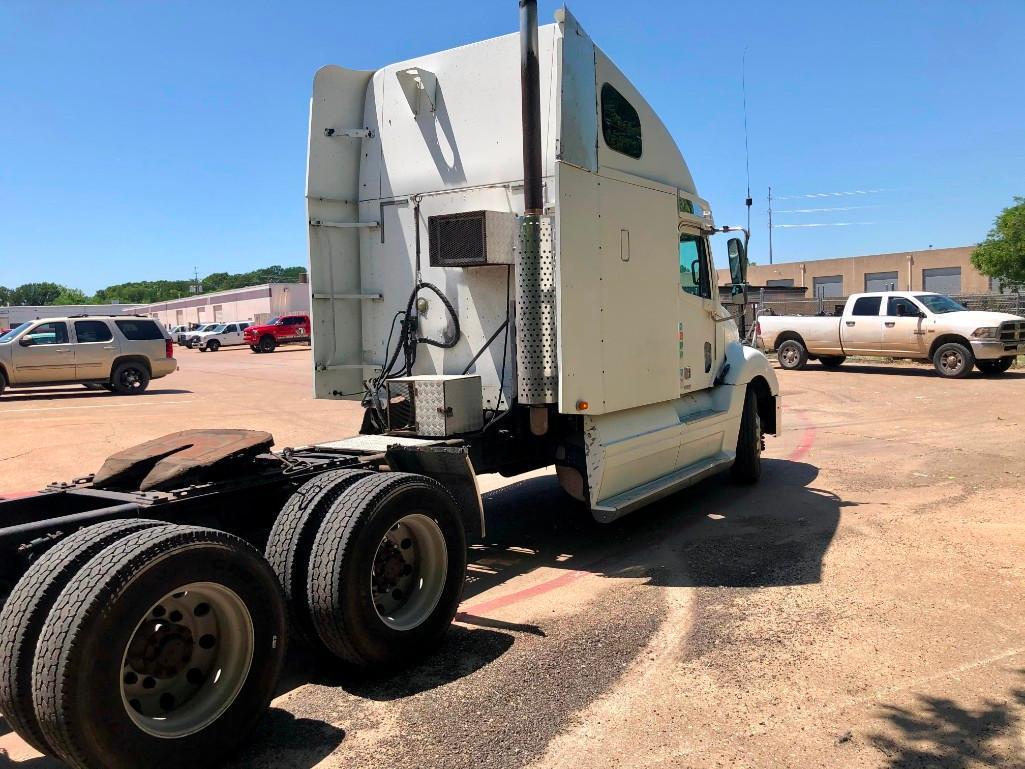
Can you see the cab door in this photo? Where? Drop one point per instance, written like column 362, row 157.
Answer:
column 95, row 350
column 861, row 328
column 903, row 330
column 231, row 335
column 44, row 354
column 697, row 310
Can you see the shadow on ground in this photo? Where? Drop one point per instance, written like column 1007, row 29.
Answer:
column 714, row 534
column 939, row 733
column 883, row 369
column 78, row 393
column 281, row 740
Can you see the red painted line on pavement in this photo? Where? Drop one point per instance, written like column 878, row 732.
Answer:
column 524, row 594
column 806, row 442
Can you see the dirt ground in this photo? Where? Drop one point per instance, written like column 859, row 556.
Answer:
column 860, row 607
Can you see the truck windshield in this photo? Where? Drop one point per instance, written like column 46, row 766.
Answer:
column 272, row 321
column 218, row 328
column 939, row 304
column 13, row 332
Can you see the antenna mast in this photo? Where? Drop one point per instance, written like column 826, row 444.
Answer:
column 747, row 152
column 770, row 224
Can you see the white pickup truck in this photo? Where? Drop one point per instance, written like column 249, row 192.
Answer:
column 898, row 324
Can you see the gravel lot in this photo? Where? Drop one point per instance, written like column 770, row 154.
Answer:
column 861, row 607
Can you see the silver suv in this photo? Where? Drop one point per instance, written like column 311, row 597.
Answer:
column 120, row 353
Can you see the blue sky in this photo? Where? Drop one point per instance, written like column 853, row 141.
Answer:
column 141, row 139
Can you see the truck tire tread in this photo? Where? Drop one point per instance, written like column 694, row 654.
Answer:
column 291, row 540
column 76, row 625
column 334, row 549
column 27, row 608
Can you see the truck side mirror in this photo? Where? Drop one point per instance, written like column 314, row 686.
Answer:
column 738, row 261
column 27, row 341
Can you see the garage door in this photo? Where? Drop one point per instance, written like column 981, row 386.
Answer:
column 881, row 281
column 942, row 280
column 828, row 285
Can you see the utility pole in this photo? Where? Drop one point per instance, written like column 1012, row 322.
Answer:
column 770, row 225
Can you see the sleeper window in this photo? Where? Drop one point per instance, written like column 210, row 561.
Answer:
column 620, row 123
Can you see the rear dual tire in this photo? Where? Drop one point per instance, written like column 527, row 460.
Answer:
column 159, row 642
column 372, row 565
column 27, row 609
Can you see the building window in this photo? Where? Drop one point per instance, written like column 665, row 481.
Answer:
column 881, row 281
column 942, row 280
column 620, row 123
column 780, row 282
column 827, row 286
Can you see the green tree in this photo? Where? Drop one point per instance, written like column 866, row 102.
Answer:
column 72, row 296
column 5, row 295
column 1002, row 254
column 36, row 293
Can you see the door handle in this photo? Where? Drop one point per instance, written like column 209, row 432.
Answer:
column 850, row 323
column 60, row 352
column 890, row 324
column 109, row 348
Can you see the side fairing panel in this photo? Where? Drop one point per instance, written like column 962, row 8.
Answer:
column 332, row 189
column 618, row 284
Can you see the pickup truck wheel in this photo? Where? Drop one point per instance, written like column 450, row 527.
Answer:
column 747, row 467
column 953, row 360
column 254, row 348
column 387, row 570
column 3, row 386
column 167, row 644
column 213, row 345
column 994, row 367
column 792, row 355
column 291, row 540
column 130, row 379
column 27, row 608
column 267, row 343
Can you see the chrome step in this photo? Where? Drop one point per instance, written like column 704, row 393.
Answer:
column 626, row 502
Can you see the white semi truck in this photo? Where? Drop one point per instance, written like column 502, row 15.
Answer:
column 511, row 268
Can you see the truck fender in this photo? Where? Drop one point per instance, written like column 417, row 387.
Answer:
column 747, row 366
column 451, row 467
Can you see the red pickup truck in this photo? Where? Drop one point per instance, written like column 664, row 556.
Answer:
column 286, row 329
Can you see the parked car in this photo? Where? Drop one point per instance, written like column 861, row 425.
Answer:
column 120, row 353
column 177, row 334
column 189, row 338
column 898, row 324
column 287, row 329
column 222, row 335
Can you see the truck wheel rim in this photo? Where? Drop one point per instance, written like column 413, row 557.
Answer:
column 409, row 572
column 952, row 361
column 131, row 378
column 187, row 660
column 789, row 353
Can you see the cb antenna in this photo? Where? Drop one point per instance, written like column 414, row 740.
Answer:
column 747, row 152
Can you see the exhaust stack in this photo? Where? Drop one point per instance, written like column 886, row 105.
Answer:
column 536, row 361
column 530, row 92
